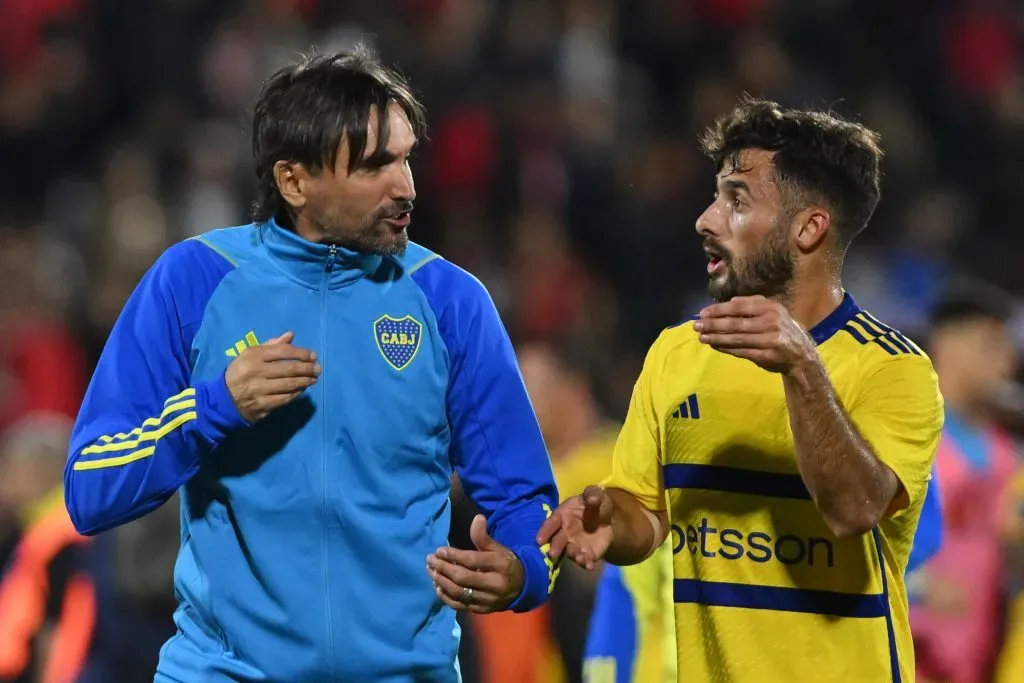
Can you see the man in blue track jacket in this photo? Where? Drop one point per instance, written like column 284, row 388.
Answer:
column 309, row 382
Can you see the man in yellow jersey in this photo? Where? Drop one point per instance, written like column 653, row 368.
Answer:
column 792, row 433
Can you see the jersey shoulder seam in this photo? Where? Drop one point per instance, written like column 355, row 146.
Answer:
column 215, row 249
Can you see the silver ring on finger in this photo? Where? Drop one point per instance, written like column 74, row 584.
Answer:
column 467, row 595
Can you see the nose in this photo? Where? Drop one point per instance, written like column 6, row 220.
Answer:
column 708, row 222
column 403, row 189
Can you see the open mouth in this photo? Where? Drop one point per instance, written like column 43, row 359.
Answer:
column 400, row 220
column 717, row 259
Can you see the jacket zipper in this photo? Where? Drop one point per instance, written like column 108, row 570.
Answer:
column 323, row 457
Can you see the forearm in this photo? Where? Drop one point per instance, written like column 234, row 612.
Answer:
column 636, row 531
column 116, row 472
column 850, row 486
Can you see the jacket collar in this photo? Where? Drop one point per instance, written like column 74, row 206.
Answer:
column 313, row 264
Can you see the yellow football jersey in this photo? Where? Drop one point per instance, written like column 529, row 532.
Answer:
column 763, row 590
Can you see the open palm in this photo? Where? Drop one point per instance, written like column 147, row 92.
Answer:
column 580, row 528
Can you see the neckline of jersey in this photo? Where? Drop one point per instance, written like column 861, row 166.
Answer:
column 835, row 320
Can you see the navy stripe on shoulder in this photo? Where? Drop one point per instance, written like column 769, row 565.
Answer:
column 867, row 329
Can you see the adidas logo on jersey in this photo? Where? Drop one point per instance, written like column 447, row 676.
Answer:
column 688, row 410
column 249, row 341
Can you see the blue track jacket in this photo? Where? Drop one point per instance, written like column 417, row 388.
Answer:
column 304, row 537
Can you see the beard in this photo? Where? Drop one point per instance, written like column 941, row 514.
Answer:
column 373, row 235
column 769, row 272
column 378, row 238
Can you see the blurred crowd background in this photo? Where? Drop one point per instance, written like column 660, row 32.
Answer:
column 562, row 170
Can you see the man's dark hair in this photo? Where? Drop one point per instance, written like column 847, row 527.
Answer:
column 818, row 157
column 305, row 110
column 970, row 300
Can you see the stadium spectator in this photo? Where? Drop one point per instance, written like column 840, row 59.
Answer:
column 48, row 608
column 958, row 608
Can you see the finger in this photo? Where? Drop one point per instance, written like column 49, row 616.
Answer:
column 290, row 368
column 461, row 606
column 549, row 528
column 729, row 325
column 485, row 592
column 269, row 404
column 475, row 560
column 285, row 385
column 558, row 545
column 478, row 534
column 580, row 555
column 758, row 356
column 722, row 341
column 742, row 306
column 279, row 352
column 451, row 602
column 596, row 508
column 285, row 338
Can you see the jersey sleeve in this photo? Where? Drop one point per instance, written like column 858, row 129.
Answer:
column 637, row 460
column 496, row 446
column 900, row 414
column 143, row 424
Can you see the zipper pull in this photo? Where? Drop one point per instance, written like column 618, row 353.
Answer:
column 330, row 257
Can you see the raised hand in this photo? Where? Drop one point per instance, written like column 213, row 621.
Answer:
column 581, row 527
column 758, row 329
column 266, row 377
column 484, row 580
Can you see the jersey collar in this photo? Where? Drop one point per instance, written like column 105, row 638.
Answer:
column 835, row 320
column 314, row 264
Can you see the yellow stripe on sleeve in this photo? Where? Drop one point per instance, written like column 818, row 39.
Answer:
column 151, row 422
column 553, row 567
column 140, row 453
column 141, row 433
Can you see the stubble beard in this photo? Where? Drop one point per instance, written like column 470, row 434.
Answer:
column 769, row 273
column 373, row 237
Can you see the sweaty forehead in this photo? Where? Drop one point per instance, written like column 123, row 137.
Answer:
column 752, row 170
column 748, row 165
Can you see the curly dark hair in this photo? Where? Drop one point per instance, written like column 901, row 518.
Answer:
column 304, row 110
column 818, row 157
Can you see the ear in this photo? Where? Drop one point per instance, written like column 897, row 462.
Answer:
column 811, row 227
column 292, row 182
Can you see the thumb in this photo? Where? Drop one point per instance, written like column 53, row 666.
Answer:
column 596, row 508
column 285, row 338
column 478, row 534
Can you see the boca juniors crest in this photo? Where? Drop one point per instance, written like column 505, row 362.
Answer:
column 398, row 339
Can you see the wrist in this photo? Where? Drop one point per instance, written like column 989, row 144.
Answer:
column 538, row 573
column 218, row 414
column 805, row 369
